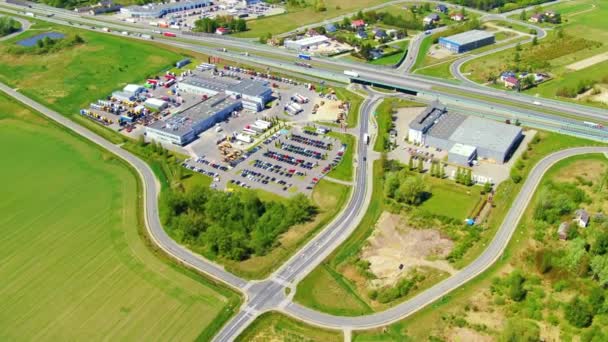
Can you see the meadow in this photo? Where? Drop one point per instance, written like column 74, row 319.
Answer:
column 275, row 326
column 76, row 262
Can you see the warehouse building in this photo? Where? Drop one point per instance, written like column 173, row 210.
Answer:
column 467, row 41
column 253, row 94
column 306, row 43
column 160, row 10
column 183, row 127
column 464, row 137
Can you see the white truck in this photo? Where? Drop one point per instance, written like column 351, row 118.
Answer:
column 351, row 73
column 366, row 138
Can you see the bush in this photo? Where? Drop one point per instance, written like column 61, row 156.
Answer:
column 578, row 313
column 516, row 290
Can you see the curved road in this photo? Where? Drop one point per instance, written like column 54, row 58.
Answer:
column 25, row 25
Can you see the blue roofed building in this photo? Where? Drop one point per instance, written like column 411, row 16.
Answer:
column 467, row 41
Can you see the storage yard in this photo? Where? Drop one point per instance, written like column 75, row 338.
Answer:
column 242, row 128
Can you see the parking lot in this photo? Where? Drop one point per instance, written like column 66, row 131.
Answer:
column 288, row 162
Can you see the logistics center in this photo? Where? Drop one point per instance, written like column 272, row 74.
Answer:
column 467, row 41
column 466, row 138
column 160, row 10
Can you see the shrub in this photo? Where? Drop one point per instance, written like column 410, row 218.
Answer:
column 578, row 313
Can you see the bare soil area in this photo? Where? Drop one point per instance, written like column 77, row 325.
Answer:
column 467, row 335
column 587, row 62
column 329, row 111
column 394, row 249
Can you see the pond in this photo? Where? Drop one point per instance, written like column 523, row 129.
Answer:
column 31, row 41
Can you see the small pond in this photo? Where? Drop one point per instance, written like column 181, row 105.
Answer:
column 31, row 41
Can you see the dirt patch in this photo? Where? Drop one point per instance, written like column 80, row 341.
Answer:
column 589, row 170
column 467, row 335
column 329, row 111
column 585, row 63
column 438, row 52
column 482, row 312
column 393, row 244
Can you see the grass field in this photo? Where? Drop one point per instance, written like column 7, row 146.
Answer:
column 298, row 16
column 75, row 265
column 274, row 326
column 439, row 70
column 395, row 58
column 344, row 171
column 452, row 200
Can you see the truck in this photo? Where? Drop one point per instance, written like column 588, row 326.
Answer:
column 304, row 56
column 592, row 124
column 262, row 123
column 169, row 34
column 366, row 138
column 105, row 29
column 146, row 36
column 351, row 73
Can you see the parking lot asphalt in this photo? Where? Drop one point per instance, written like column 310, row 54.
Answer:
column 284, row 164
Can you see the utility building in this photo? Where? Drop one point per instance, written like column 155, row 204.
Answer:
column 159, row 10
column 467, row 41
column 306, row 43
column 464, row 137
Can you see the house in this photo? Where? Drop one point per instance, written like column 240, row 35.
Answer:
column 330, row 28
column 392, row 33
column 511, row 82
column 312, row 32
column 562, row 230
column 380, row 33
column 376, row 53
column 536, row 18
column 356, row 24
column 506, row 74
column 581, row 218
column 222, row 31
column 361, row 34
column 441, row 8
column 457, row 17
column 430, row 19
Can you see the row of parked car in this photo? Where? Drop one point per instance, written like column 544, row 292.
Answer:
column 286, row 158
column 302, row 151
column 264, row 179
column 311, row 142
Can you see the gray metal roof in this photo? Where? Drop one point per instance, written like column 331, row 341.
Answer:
column 446, row 125
column 251, row 88
column 487, row 134
column 427, row 118
column 468, row 37
column 182, row 122
column 207, row 83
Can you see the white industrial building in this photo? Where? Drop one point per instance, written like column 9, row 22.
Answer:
column 162, row 9
column 155, row 103
column 183, row 127
column 253, row 94
column 306, row 43
column 464, row 137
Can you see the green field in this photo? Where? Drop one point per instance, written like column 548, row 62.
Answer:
column 450, row 199
column 393, row 59
column 274, row 326
column 439, row 70
column 76, row 265
column 344, row 171
column 300, row 16
column 70, row 79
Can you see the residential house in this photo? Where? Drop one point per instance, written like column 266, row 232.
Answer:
column 457, row 17
column 536, row 18
column 581, row 218
column 376, row 53
column 562, row 230
column 511, row 82
column 441, row 8
column 361, row 34
column 380, row 33
column 550, row 13
column 506, row 74
column 357, row 24
column 430, row 19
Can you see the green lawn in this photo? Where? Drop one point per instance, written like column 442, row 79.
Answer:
column 344, row 171
column 300, row 16
column 440, row 70
column 76, row 265
column 394, row 58
column 275, row 326
column 450, row 199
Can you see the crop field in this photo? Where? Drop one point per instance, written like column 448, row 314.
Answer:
column 74, row 263
column 300, row 16
column 89, row 71
column 274, row 326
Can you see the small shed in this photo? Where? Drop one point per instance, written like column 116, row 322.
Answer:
column 133, row 89
column 155, row 103
column 182, row 63
column 462, row 154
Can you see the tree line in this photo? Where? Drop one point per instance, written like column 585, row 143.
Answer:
column 233, row 225
column 209, row 25
column 8, row 25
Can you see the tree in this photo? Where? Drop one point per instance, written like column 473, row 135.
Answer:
column 442, row 172
column 516, row 289
column 520, row 330
column 411, row 163
column 560, row 32
column 600, row 244
column 575, row 258
column 391, row 184
column 517, row 47
column 487, row 187
column 535, row 41
column 579, row 313
column 523, row 15
column 412, row 190
column 599, row 268
column 516, row 57
column 346, row 22
column 420, row 165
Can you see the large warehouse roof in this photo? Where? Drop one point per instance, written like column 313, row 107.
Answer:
column 468, row 37
column 311, row 40
column 250, row 88
column 430, row 114
column 486, row 134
